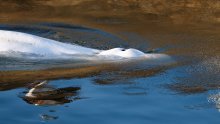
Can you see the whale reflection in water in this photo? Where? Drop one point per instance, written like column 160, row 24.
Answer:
column 43, row 94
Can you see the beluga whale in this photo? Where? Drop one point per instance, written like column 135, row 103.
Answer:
column 28, row 46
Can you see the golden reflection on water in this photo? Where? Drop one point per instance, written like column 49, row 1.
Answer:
column 104, row 72
column 193, row 33
column 14, row 79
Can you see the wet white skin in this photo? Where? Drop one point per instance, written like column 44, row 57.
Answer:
column 13, row 44
column 125, row 53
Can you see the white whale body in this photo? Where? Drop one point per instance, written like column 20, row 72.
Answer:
column 13, row 44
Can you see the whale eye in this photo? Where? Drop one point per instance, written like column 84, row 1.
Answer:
column 123, row 50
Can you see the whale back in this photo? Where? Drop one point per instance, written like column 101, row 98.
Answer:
column 17, row 44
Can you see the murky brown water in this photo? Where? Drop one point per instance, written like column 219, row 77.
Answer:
column 193, row 43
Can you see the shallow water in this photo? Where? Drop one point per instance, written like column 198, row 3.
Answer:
column 184, row 91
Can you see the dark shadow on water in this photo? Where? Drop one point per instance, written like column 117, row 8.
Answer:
column 121, row 77
column 27, row 29
column 66, row 26
column 134, row 91
column 70, row 33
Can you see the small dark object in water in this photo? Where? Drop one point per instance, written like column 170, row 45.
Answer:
column 46, row 117
column 42, row 94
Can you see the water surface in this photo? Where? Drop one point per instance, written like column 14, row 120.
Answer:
column 186, row 91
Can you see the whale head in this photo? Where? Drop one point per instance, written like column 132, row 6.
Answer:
column 121, row 52
column 134, row 54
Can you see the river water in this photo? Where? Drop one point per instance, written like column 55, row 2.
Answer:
column 184, row 91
